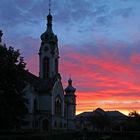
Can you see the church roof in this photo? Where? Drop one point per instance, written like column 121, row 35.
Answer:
column 42, row 86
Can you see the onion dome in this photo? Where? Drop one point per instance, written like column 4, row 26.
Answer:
column 48, row 36
column 70, row 89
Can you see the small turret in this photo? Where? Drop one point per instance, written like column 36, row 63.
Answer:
column 70, row 100
column 70, row 90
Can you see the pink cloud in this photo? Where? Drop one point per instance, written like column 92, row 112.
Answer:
column 107, row 75
column 102, row 78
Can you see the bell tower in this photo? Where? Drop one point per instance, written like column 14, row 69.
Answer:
column 48, row 53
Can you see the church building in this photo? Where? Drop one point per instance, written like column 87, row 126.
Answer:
column 50, row 105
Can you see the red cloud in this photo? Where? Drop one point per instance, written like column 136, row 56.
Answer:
column 107, row 79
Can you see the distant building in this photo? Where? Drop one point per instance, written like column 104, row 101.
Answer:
column 100, row 120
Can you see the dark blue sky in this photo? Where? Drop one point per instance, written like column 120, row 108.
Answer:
column 99, row 42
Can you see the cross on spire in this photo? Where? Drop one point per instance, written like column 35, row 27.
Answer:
column 70, row 76
column 49, row 6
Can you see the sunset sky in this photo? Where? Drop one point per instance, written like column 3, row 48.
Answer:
column 99, row 43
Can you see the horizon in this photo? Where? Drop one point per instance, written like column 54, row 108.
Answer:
column 123, row 112
column 100, row 49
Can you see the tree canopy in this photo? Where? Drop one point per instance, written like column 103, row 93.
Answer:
column 134, row 114
column 12, row 82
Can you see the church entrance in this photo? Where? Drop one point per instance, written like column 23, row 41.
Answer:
column 45, row 124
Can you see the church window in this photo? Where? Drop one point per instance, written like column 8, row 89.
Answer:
column 60, row 125
column 64, row 125
column 46, row 68
column 55, row 124
column 36, row 123
column 58, row 106
column 35, row 105
column 56, row 65
column 45, row 124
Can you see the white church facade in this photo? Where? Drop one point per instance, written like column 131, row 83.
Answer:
column 50, row 105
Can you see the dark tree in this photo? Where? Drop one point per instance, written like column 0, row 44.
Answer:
column 12, row 81
column 133, row 123
column 134, row 114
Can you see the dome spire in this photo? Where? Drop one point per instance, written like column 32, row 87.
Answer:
column 49, row 7
column 48, row 35
column 1, row 33
column 49, row 19
column 70, row 81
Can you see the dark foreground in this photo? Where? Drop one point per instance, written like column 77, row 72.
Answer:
column 69, row 135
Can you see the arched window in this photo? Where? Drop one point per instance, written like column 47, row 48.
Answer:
column 35, row 105
column 58, row 105
column 46, row 67
column 64, row 125
column 60, row 125
column 45, row 124
column 56, row 65
column 55, row 124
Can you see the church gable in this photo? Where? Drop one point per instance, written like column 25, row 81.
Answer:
column 58, row 89
column 41, row 86
column 58, row 99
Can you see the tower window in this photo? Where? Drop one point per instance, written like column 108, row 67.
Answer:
column 46, row 67
column 35, row 105
column 56, row 65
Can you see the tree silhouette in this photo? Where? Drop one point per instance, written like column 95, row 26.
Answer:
column 134, row 114
column 12, row 82
column 133, row 123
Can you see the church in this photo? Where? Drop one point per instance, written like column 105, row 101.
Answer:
column 51, row 107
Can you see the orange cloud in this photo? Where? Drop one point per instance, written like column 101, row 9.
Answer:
column 109, row 78
column 102, row 79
